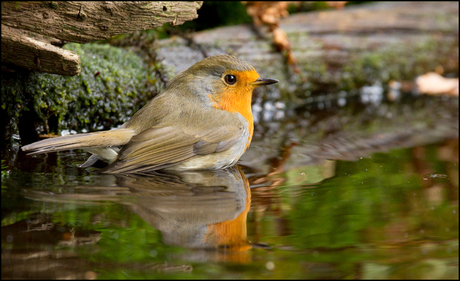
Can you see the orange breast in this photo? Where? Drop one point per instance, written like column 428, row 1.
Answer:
column 238, row 99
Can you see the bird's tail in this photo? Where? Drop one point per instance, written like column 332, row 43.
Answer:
column 96, row 139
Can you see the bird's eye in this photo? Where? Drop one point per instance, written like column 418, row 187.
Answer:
column 230, row 79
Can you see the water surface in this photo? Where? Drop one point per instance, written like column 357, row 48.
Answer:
column 361, row 192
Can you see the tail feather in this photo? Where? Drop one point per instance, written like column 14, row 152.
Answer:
column 96, row 139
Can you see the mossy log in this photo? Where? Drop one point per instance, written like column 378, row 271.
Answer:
column 28, row 28
column 337, row 50
column 114, row 83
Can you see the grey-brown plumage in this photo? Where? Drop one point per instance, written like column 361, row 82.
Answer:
column 200, row 121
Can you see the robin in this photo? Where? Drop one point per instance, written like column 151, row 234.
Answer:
column 202, row 120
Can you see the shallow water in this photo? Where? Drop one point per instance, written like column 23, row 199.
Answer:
column 358, row 192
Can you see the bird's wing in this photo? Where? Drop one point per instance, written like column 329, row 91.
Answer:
column 161, row 147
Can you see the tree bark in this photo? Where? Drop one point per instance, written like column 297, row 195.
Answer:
column 30, row 53
column 80, row 22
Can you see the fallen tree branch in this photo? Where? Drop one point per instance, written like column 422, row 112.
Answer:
column 78, row 21
column 37, row 55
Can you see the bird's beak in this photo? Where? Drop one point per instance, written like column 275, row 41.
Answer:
column 264, row 81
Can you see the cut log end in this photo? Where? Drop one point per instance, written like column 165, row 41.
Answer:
column 32, row 54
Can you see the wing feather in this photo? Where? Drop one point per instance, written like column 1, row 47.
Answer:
column 157, row 148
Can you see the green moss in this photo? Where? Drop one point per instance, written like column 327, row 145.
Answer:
column 12, row 103
column 395, row 62
column 114, row 84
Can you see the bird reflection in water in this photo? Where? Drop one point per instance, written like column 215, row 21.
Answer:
column 201, row 210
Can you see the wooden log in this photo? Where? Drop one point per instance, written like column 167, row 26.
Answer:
column 37, row 55
column 338, row 48
column 82, row 22
column 78, row 21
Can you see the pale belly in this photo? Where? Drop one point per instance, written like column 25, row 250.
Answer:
column 218, row 160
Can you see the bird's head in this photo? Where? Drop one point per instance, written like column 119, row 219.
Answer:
column 223, row 82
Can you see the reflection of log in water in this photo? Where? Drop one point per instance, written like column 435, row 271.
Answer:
column 204, row 210
column 345, row 134
column 435, row 187
column 354, row 131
